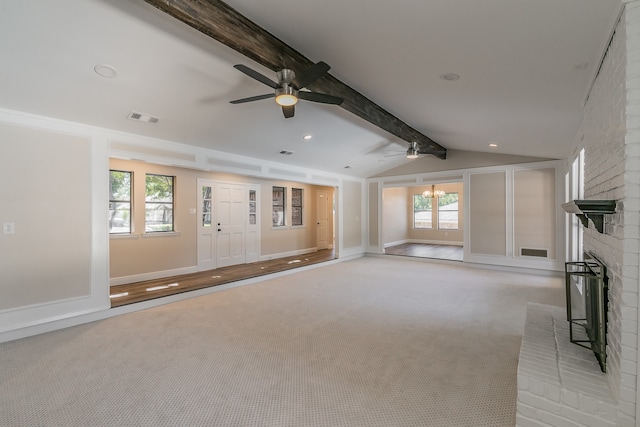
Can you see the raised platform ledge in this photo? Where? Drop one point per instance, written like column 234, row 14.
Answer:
column 559, row 383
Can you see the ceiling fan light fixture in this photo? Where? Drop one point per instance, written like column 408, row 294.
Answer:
column 286, row 96
column 413, row 152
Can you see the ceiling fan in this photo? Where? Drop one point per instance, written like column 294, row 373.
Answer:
column 287, row 89
column 413, row 152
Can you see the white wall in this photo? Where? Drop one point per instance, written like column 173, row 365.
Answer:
column 55, row 190
column 394, row 211
column 55, row 263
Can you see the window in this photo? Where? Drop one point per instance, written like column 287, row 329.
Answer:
column 278, row 208
column 296, row 206
column 159, row 203
column 448, row 211
column 422, row 211
column 207, row 203
column 119, row 202
column 252, row 207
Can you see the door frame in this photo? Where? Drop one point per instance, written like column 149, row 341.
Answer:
column 251, row 230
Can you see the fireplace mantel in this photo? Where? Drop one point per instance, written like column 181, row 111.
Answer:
column 593, row 210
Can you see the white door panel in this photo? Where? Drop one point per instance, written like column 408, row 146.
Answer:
column 230, row 207
column 322, row 215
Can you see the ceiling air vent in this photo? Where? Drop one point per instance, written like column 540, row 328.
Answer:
column 286, row 152
column 142, row 117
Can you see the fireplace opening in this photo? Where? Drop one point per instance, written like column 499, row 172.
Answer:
column 587, row 304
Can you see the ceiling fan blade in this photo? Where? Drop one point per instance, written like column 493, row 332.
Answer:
column 253, row 98
column 257, row 76
column 311, row 75
column 288, row 111
column 320, row 97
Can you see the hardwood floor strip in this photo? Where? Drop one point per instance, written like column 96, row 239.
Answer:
column 422, row 250
column 142, row 291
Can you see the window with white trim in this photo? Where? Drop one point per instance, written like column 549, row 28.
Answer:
column 278, row 206
column 422, row 212
column 296, row 206
column 120, row 184
column 448, row 211
column 159, row 197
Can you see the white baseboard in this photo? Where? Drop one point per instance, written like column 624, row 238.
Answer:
column 123, row 280
column 46, row 317
column 351, row 253
column 286, row 254
column 396, row 243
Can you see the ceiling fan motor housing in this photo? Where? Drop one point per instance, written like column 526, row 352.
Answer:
column 286, row 95
column 286, row 76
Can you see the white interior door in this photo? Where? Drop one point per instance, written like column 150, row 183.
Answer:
column 231, row 206
column 206, row 228
column 322, row 215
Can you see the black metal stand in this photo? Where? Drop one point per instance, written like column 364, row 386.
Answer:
column 591, row 276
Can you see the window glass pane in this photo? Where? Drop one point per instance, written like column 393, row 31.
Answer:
column 119, row 202
column 448, row 211
column 278, row 205
column 206, row 206
column 422, row 211
column 252, row 207
column 159, row 203
column 296, row 206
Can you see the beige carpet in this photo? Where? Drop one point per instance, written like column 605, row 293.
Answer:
column 368, row 342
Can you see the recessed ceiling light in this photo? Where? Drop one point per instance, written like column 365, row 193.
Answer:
column 493, row 145
column 106, row 71
column 451, row 77
column 307, row 137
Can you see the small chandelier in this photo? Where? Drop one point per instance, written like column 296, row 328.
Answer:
column 433, row 192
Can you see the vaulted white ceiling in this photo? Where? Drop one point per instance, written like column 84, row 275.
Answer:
column 525, row 70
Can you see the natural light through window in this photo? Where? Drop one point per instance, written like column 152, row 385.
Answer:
column 422, row 212
column 159, row 203
column 448, row 211
column 119, row 202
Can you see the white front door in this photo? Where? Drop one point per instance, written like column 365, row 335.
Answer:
column 230, row 224
column 322, row 215
column 206, row 227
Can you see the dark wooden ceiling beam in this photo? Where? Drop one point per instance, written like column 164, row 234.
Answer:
column 221, row 22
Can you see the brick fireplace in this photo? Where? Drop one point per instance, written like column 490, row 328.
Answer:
column 550, row 394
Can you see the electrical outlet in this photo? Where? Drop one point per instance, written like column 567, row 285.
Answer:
column 8, row 228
